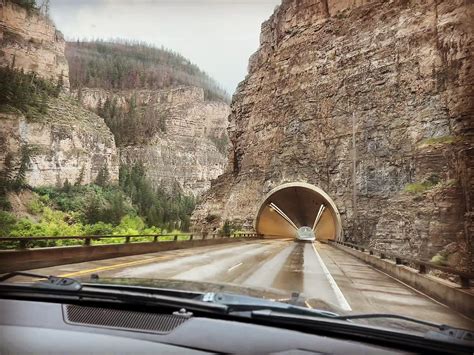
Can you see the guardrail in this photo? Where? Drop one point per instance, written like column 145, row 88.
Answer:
column 422, row 266
column 87, row 240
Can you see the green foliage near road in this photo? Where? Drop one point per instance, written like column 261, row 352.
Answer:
column 25, row 92
column 134, row 207
column 170, row 210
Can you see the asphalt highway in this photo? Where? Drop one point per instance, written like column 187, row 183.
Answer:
column 324, row 275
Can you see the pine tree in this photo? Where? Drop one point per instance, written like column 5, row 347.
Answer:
column 103, row 176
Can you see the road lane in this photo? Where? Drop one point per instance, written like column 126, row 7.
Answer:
column 278, row 264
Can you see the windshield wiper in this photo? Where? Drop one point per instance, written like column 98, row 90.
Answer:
column 71, row 289
column 389, row 315
column 238, row 303
column 45, row 281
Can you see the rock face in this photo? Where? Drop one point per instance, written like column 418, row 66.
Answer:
column 70, row 143
column 186, row 151
column 30, row 41
column 385, row 86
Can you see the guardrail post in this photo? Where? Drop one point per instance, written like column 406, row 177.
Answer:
column 398, row 261
column 175, row 238
column 23, row 244
column 422, row 269
column 87, row 241
column 382, row 256
column 127, row 239
column 191, row 237
column 155, row 239
column 465, row 283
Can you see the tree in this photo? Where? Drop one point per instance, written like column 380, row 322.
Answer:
column 103, row 176
column 80, row 177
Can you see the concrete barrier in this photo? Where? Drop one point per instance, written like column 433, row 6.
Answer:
column 448, row 293
column 18, row 260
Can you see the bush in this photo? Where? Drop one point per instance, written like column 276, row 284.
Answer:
column 420, row 187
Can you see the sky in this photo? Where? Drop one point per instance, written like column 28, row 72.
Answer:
column 217, row 35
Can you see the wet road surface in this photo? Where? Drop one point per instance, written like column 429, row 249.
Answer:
column 326, row 276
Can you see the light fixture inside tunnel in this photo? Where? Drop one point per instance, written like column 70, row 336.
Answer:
column 292, row 206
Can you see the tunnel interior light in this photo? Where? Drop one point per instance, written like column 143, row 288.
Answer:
column 283, row 215
column 318, row 216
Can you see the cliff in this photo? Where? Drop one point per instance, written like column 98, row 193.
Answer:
column 30, row 41
column 67, row 142
column 183, row 137
column 386, row 87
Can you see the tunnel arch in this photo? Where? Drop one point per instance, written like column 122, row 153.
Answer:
column 301, row 202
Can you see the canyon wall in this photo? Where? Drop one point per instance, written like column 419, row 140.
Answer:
column 385, row 85
column 189, row 150
column 30, row 41
column 67, row 142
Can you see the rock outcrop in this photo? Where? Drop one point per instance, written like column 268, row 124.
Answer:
column 189, row 149
column 30, row 41
column 69, row 143
column 386, row 86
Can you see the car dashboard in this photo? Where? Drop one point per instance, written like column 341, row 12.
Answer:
column 47, row 327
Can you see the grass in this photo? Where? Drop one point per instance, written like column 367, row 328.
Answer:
column 438, row 140
column 420, row 187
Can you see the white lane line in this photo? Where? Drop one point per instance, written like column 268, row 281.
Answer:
column 337, row 291
column 234, row 267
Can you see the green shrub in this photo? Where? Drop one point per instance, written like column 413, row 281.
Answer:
column 7, row 222
column 420, row 187
column 438, row 140
column 439, row 259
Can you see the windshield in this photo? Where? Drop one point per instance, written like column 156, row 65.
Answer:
column 304, row 154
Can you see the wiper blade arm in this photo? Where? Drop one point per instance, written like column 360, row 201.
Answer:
column 11, row 275
column 237, row 303
column 45, row 281
column 393, row 316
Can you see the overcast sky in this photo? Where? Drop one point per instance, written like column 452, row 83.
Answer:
column 217, row 35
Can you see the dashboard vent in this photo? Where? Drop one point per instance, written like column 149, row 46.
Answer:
column 122, row 319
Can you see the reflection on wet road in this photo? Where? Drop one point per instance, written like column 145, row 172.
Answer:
column 319, row 272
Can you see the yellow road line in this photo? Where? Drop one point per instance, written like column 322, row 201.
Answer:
column 115, row 266
column 121, row 265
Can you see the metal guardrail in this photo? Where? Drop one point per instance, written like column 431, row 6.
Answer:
column 422, row 266
column 88, row 240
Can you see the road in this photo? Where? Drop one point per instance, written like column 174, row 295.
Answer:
column 318, row 271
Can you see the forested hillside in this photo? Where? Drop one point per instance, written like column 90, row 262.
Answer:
column 122, row 65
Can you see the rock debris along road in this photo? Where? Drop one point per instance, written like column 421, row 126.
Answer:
column 318, row 271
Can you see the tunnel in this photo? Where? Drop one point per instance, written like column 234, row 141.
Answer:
column 291, row 206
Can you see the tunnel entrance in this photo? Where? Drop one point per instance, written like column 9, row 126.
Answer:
column 294, row 205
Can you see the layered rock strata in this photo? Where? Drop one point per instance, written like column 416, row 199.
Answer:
column 30, row 41
column 385, row 86
column 190, row 149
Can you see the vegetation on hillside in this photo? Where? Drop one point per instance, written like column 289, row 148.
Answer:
column 26, row 92
column 131, row 124
column 27, row 4
column 121, row 65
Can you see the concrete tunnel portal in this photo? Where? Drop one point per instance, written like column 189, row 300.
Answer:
column 294, row 205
